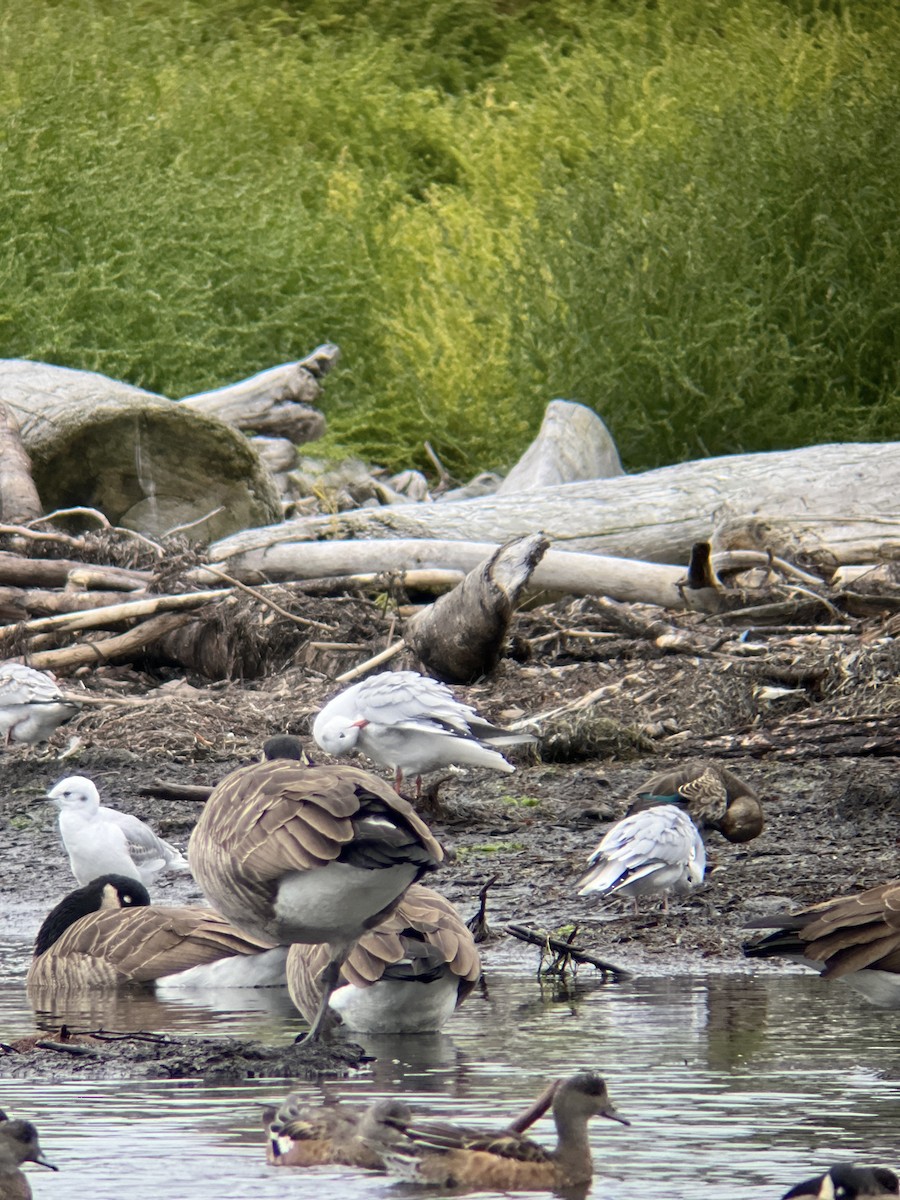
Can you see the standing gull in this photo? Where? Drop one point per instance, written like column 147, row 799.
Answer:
column 413, row 724
column 31, row 704
column 101, row 841
column 653, row 851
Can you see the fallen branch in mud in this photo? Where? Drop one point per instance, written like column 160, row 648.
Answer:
column 564, row 951
column 799, row 737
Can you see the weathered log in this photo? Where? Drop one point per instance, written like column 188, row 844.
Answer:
column 275, row 402
column 572, row 443
column 111, row 649
column 23, row 604
column 836, row 501
column 114, row 614
column 19, row 499
column 559, row 571
column 146, row 462
column 66, row 572
column 460, row 637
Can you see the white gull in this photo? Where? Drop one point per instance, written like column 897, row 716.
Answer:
column 413, row 724
column 654, row 851
column 101, row 841
column 31, row 704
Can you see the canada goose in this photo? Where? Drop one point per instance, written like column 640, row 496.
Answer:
column 406, row 974
column 446, row 1156
column 413, row 724
column 713, row 797
column 18, row 1144
column 31, row 704
column 854, row 938
column 107, row 934
column 293, row 853
column 652, row 851
column 299, row 1134
column 845, row 1182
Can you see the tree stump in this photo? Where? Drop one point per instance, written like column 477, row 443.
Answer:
column 147, row 463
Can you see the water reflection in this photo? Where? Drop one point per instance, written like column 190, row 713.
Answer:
column 736, row 1085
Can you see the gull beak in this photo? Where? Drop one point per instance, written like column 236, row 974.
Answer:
column 360, row 724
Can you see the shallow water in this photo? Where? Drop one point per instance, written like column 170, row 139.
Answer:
column 736, row 1085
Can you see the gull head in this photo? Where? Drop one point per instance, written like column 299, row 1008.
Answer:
column 338, row 736
column 75, row 794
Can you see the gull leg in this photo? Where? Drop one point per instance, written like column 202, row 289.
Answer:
column 398, row 779
column 330, row 977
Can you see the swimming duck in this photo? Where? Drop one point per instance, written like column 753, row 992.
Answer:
column 844, row 1182
column 292, row 853
column 448, row 1156
column 712, row 796
column 102, row 841
column 299, row 1134
column 31, row 704
column 18, row 1144
column 106, row 934
column 651, row 852
column 854, row 938
column 406, row 974
column 413, row 724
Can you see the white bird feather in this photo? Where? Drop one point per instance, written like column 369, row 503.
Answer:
column 650, row 852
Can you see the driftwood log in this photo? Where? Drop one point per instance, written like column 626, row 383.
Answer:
column 831, row 504
column 559, row 572
column 19, row 500
column 149, row 463
column 572, row 443
column 461, row 636
column 277, row 402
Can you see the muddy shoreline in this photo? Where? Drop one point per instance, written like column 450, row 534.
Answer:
column 831, row 821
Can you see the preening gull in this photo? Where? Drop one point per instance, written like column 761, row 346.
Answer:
column 413, row 724
column 651, row 852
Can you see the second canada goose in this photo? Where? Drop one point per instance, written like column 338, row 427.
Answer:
column 18, row 1144
column 107, row 934
column 406, row 974
column 448, row 1156
column 294, row 853
column 854, row 938
column 712, row 796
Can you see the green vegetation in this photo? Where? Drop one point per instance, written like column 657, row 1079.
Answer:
column 682, row 213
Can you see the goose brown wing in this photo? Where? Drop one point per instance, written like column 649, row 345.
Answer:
column 140, row 945
column 855, row 932
column 279, row 816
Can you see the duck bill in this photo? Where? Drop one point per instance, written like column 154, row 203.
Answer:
column 42, row 1162
column 613, row 1114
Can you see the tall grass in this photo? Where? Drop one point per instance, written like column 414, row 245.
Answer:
column 681, row 213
